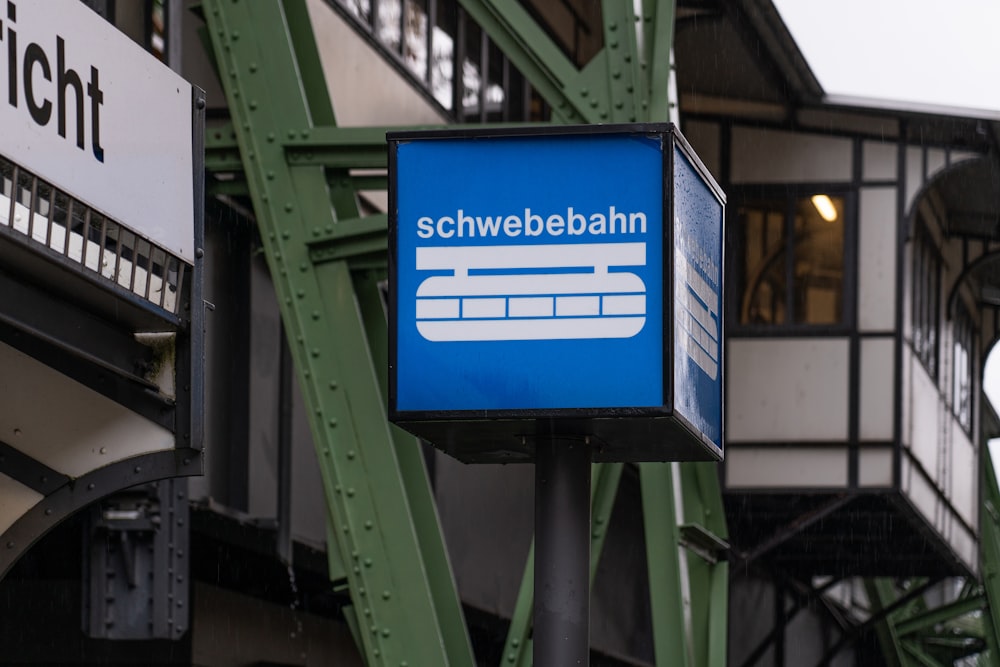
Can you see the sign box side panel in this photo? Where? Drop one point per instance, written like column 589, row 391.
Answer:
column 529, row 273
column 698, row 299
column 91, row 112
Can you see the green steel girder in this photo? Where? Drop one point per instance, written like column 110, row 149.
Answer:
column 380, row 506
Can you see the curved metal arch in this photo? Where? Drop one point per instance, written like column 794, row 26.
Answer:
column 986, row 258
column 75, row 494
column 938, row 177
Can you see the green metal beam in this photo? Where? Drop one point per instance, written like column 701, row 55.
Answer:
column 378, row 497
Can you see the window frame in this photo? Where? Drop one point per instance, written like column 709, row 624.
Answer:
column 790, row 193
column 964, row 330
column 924, row 252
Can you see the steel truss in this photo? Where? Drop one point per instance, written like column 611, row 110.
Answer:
column 284, row 151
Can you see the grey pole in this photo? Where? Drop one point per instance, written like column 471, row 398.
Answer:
column 562, row 554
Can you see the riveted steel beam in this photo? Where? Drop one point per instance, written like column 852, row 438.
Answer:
column 379, row 503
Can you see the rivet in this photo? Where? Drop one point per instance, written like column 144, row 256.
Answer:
column 315, row 315
column 253, row 67
column 270, row 177
column 270, row 137
column 286, row 234
column 235, row 35
column 617, row 74
column 90, row 487
column 333, row 384
column 369, row 525
column 385, row 632
column 354, row 555
column 386, row 595
column 367, row 611
column 511, row 657
column 10, row 545
column 253, row 105
column 301, row 294
column 48, row 511
column 289, row 207
column 337, row 488
column 614, row 44
column 305, row 134
column 350, row 492
column 584, row 92
column 515, row 642
column 350, row 453
column 137, row 470
column 291, row 134
column 368, row 562
column 315, row 352
column 594, row 103
column 303, row 267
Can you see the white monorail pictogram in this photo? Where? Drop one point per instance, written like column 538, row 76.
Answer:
column 531, row 292
column 697, row 310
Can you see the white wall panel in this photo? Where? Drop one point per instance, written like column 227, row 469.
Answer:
column 773, row 156
column 790, row 467
column 964, row 484
column 878, row 161
column 15, row 500
column 790, row 389
column 877, row 388
column 875, row 466
column 925, row 411
column 877, row 222
column 936, row 161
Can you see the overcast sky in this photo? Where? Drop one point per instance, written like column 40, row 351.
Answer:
column 941, row 53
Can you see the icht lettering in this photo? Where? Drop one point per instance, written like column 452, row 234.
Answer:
column 35, row 74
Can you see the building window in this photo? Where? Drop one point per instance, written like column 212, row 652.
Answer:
column 790, row 260
column 926, row 298
column 963, row 362
column 447, row 56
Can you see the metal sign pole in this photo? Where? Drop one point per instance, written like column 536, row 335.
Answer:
column 562, row 553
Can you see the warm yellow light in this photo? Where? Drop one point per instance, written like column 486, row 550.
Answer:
column 825, row 206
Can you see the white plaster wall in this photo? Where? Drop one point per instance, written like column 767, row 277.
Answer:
column 787, row 389
column 789, row 467
column 878, row 161
column 15, row 500
column 964, row 468
column 875, row 466
column 877, row 222
column 925, row 411
column 877, row 388
column 365, row 89
column 64, row 424
column 774, row 156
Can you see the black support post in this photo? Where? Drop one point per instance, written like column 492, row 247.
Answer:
column 562, row 554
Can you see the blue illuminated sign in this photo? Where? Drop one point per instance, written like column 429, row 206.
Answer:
column 528, row 287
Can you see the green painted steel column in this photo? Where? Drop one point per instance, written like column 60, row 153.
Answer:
column 319, row 256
